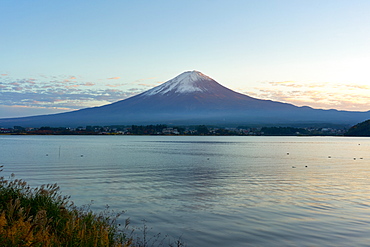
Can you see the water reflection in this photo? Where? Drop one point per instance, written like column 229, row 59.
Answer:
column 214, row 191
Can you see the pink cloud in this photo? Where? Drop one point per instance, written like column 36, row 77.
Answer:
column 88, row 84
column 112, row 90
column 114, row 78
column 146, row 85
column 294, row 84
column 315, row 98
column 115, row 85
column 286, row 84
column 18, row 88
column 316, row 85
column 72, row 86
column 31, row 81
column 357, row 86
column 4, row 74
column 139, row 80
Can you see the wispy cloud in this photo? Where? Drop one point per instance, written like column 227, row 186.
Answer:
column 286, row 84
column 115, row 85
column 318, row 95
column 17, row 88
column 148, row 85
column 351, row 86
column 88, row 84
column 62, row 92
column 114, row 78
column 293, row 84
column 144, row 79
column 72, row 86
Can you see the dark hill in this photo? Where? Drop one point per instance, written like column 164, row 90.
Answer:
column 361, row 129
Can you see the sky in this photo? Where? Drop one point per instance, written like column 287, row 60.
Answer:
column 58, row 56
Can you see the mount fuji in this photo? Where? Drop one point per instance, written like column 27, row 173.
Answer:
column 192, row 98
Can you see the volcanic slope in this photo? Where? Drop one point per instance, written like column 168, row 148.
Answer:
column 192, row 98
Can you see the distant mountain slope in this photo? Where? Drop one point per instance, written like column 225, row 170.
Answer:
column 360, row 129
column 191, row 98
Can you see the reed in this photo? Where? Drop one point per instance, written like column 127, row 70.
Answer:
column 43, row 217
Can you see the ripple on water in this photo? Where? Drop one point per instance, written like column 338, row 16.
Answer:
column 217, row 191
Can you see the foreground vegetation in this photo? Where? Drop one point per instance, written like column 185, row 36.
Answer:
column 43, row 217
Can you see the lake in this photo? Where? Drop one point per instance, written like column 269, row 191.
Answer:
column 211, row 191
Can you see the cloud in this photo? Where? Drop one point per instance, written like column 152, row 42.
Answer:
column 110, row 85
column 286, row 84
column 62, row 92
column 294, row 84
column 283, row 83
column 31, row 81
column 144, row 79
column 3, row 74
column 353, row 86
column 116, row 85
column 147, row 85
column 72, row 86
column 317, row 85
column 335, row 97
column 88, row 84
column 70, row 96
column 114, row 78
column 318, row 94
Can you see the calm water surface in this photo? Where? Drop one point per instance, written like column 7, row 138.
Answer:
column 212, row 191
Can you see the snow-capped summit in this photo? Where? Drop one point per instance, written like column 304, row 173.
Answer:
column 187, row 82
column 191, row 98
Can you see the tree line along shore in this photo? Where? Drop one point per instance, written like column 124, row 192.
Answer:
column 361, row 129
column 176, row 130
